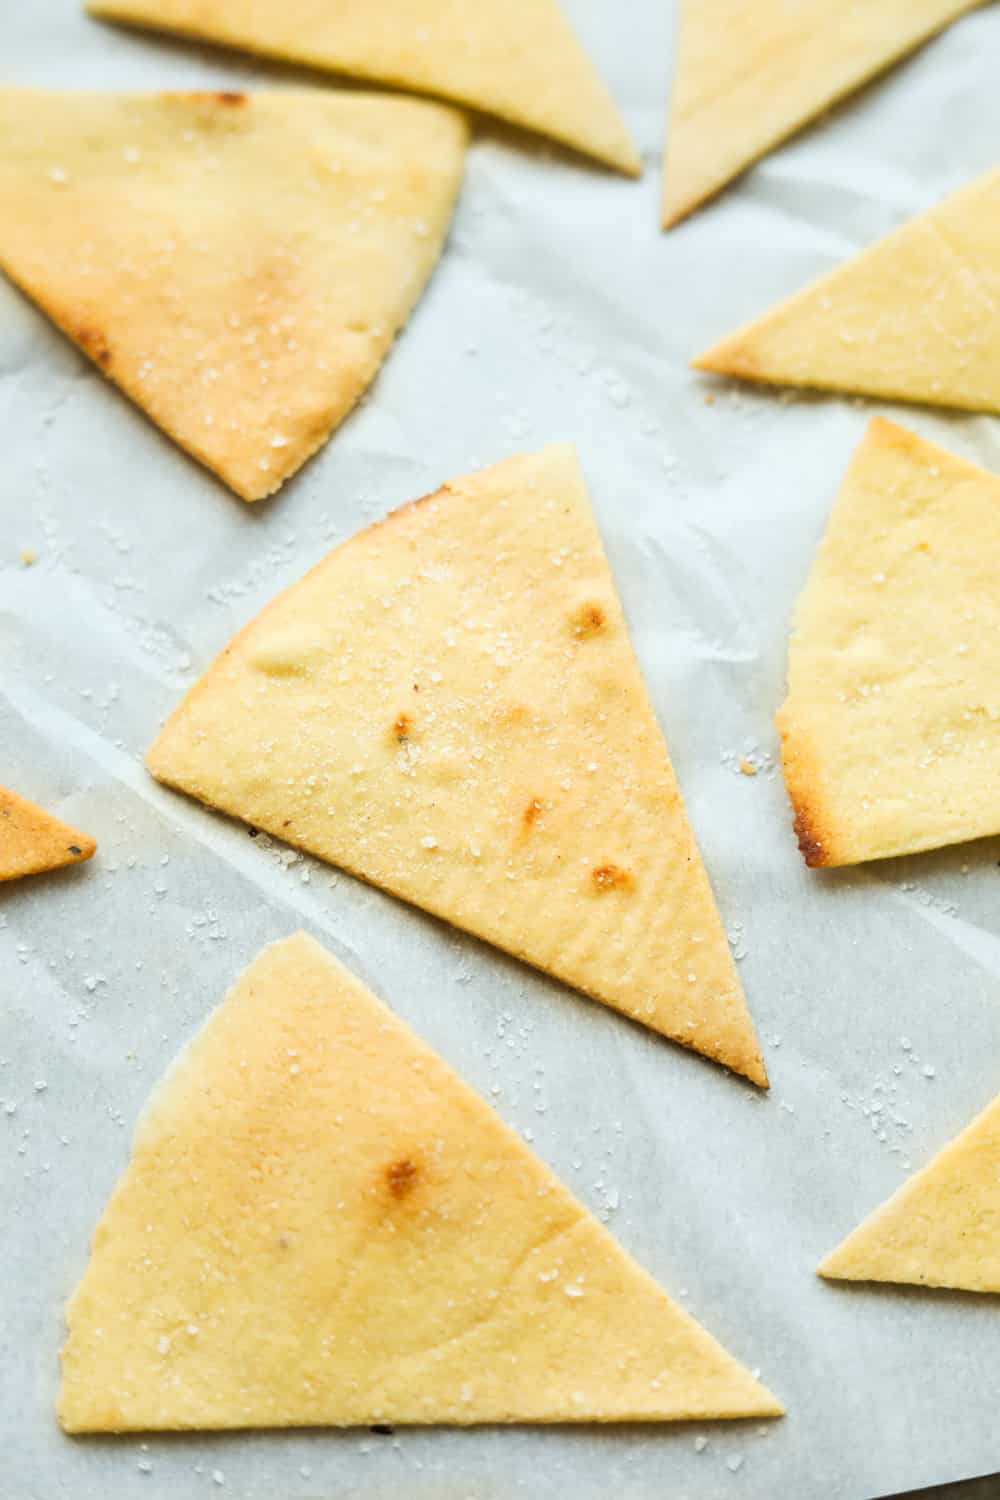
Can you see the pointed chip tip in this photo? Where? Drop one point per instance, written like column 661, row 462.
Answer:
column 630, row 164
column 711, row 362
column 826, row 1271
column 623, row 155
column 253, row 496
column 301, row 941
column 832, row 1267
column 158, row 757
column 679, row 203
column 744, row 1065
column 83, row 847
column 673, row 213
column 617, row 149
column 746, row 1060
column 753, row 1070
column 884, row 430
column 753, row 1403
column 770, row 1406
column 758, row 1074
column 742, row 1058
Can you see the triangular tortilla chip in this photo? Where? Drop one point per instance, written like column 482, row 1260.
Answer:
column 942, row 1228
column 238, row 264
column 518, row 59
column 449, row 706
column 33, row 841
column 891, row 729
column 749, row 75
column 322, row 1225
column 912, row 319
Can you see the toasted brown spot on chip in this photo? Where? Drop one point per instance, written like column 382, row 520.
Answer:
column 75, row 849
column 401, row 1176
column 401, row 728
column 611, row 878
column 588, row 620
column 531, row 812
column 95, row 344
column 510, row 714
column 810, row 843
column 228, row 98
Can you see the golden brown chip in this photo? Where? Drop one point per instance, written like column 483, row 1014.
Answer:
column 322, row 1225
column 749, row 75
column 914, row 318
column 450, row 707
column 942, row 1228
column 518, row 59
column 33, row 841
column 891, row 728
column 239, row 264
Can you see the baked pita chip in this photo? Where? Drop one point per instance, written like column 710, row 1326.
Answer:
column 449, row 706
column 891, row 729
column 33, row 841
column 942, row 1228
column 238, row 264
column 518, row 59
column 321, row 1225
column 749, row 75
column 912, row 319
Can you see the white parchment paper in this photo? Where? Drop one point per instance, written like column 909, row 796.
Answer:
column 558, row 312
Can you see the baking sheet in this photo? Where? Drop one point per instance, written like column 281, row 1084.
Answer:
column 558, row 312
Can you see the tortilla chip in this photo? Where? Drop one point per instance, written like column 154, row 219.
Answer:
column 449, row 706
column 322, row 1225
column 942, row 1228
column 238, row 264
column 911, row 319
column 33, row 841
column 749, row 75
column 891, row 728
column 518, row 59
